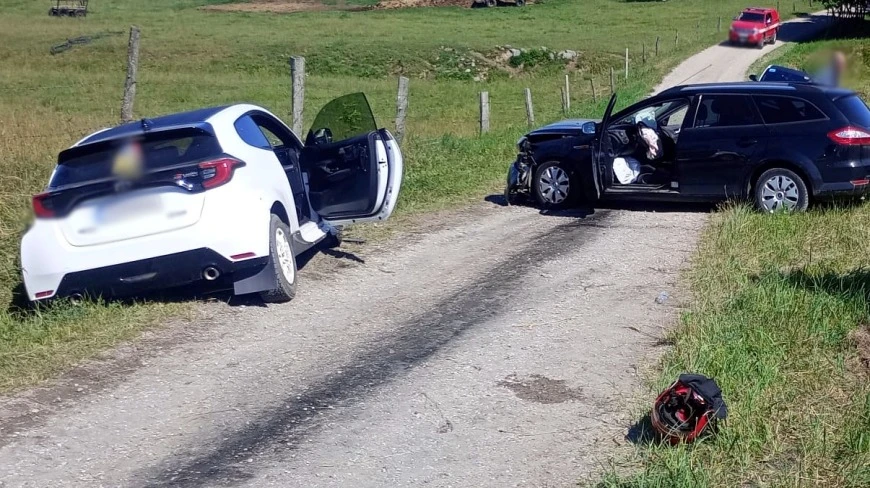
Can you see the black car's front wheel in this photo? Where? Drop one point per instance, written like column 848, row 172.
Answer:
column 779, row 189
column 553, row 186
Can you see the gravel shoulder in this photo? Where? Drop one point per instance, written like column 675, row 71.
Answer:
column 490, row 350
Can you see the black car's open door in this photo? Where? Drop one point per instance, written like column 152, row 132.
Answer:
column 601, row 151
column 354, row 170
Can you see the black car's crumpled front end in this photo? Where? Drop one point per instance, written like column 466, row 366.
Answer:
column 519, row 175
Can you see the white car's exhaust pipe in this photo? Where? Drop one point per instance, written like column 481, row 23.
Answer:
column 211, row 273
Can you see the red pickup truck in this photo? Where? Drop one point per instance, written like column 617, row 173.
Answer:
column 755, row 26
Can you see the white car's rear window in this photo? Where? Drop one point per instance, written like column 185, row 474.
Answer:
column 159, row 150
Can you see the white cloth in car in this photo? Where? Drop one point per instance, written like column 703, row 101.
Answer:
column 653, row 143
column 626, row 170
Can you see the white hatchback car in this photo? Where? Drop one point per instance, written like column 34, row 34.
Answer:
column 227, row 195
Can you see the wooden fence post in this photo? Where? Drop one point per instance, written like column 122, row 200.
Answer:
column 130, row 81
column 297, row 73
column 592, row 83
column 567, row 95
column 676, row 39
column 657, row 45
column 612, row 82
column 530, row 111
column 626, row 63
column 564, row 104
column 401, row 108
column 643, row 53
column 484, row 112
column 719, row 25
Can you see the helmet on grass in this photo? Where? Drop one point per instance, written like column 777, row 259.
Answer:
column 688, row 408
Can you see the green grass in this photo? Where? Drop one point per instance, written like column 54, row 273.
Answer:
column 192, row 58
column 776, row 300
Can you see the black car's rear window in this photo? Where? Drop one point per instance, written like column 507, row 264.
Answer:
column 855, row 110
column 783, row 110
column 159, row 150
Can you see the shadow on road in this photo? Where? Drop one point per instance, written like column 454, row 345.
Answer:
column 584, row 210
column 642, row 432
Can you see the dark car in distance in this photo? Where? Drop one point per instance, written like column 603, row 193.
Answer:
column 780, row 145
column 775, row 73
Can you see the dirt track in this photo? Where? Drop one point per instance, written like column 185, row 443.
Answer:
column 483, row 352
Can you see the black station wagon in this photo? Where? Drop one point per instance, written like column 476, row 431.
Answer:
column 780, row 145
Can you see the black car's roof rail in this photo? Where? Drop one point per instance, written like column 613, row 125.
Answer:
column 755, row 87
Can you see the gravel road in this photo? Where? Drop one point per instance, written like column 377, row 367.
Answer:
column 499, row 347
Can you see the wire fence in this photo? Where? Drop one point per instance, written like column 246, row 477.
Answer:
column 616, row 70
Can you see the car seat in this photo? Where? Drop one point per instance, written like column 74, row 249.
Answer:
column 701, row 117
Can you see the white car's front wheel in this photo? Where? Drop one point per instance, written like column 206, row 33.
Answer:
column 283, row 262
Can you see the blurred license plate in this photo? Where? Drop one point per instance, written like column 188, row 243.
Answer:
column 127, row 209
column 743, row 37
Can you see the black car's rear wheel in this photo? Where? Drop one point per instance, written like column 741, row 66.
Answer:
column 781, row 190
column 552, row 186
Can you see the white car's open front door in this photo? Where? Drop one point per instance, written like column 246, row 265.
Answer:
column 354, row 170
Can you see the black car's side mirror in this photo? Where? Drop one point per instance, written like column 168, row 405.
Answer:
column 753, row 77
column 589, row 128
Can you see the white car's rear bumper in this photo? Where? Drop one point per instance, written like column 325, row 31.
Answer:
column 230, row 234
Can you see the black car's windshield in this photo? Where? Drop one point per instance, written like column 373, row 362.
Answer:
column 751, row 17
column 855, row 110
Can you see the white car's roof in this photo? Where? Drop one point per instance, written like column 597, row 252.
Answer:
column 218, row 117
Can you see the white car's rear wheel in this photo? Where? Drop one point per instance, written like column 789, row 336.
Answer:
column 283, row 262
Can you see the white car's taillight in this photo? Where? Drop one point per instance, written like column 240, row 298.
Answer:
column 217, row 172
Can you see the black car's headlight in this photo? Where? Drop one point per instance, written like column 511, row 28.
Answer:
column 522, row 144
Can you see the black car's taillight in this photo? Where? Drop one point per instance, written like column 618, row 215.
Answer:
column 850, row 136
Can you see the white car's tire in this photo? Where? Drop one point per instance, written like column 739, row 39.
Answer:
column 283, row 262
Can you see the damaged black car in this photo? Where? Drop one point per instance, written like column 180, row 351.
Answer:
column 779, row 145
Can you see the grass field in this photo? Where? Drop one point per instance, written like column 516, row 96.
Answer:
column 780, row 318
column 778, row 301
column 192, row 58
